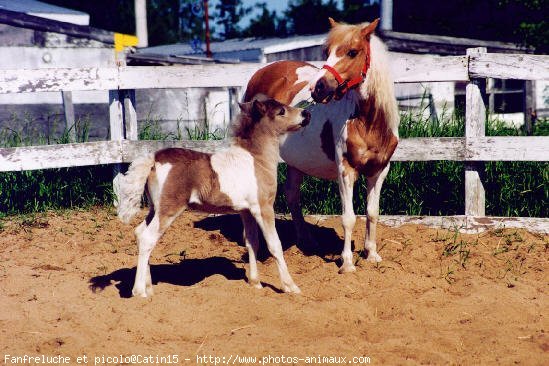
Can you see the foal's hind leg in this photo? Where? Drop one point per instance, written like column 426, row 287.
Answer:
column 252, row 243
column 292, row 189
column 148, row 233
column 346, row 182
column 374, row 191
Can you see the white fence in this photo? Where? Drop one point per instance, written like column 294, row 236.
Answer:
column 473, row 149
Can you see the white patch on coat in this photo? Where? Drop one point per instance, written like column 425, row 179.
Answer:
column 332, row 60
column 162, row 171
column 236, row 173
column 304, row 73
column 194, row 198
column 303, row 149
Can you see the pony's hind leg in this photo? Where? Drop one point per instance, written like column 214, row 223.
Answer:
column 292, row 190
column 346, row 182
column 374, row 190
column 251, row 240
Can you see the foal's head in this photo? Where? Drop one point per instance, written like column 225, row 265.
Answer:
column 347, row 51
column 269, row 117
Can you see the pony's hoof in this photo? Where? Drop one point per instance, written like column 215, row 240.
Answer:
column 292, row 289
column 373, row 257
column 256, row 284
column 139, row 292
column 347, row 269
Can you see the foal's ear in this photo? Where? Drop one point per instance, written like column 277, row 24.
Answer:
column 259, row 109
column 245, row 107
column 367, row 31
column 333, row 23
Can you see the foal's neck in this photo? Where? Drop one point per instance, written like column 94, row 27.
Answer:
column 264, row 148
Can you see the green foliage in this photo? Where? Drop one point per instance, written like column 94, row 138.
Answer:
column 411, row 188
column 228, row 14
column 437, row 187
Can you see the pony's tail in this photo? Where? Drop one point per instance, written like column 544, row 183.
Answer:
column 129, row 187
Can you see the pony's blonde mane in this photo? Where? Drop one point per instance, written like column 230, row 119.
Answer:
column 379, row 83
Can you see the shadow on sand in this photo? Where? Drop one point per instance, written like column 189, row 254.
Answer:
column 186, row 273
column 192, row 271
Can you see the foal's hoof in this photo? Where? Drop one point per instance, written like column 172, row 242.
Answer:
column 373, row 257
column 347, row 268
column 292, row 289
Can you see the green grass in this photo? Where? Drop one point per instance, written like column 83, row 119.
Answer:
column 411, row 188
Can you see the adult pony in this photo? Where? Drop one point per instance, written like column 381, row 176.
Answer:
column 354, row 125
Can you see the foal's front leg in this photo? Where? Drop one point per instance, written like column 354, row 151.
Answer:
column 265, row 218
column 251, row 240
column 346, row 180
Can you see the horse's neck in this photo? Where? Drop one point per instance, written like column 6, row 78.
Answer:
column 372, row 112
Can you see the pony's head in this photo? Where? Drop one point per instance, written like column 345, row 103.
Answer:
column 347, row 51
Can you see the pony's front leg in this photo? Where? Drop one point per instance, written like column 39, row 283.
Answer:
column 266, row 220
column 346, row 180
column 372, row 215
column 251, row 240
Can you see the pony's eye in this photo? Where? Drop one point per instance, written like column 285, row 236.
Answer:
column 281, row 112
column 352, row 53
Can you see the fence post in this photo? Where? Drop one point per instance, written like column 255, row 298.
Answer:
column 130, row 115
column 68, row 109
column 475, row 116
column 116, row 114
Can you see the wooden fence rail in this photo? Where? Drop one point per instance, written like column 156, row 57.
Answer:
column 473, row 149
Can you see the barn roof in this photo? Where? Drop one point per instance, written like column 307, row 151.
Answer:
column 254, row 49
column 48, row 11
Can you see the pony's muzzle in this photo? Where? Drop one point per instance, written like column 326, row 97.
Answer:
column 324, row 90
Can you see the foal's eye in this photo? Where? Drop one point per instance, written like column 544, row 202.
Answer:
column 352, row 53
column 281, row 112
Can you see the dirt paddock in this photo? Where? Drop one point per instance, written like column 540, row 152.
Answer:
column 437, row 298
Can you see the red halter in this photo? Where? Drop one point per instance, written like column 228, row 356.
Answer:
column 344, row 85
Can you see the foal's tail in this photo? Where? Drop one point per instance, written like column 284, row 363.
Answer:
column 129, row 187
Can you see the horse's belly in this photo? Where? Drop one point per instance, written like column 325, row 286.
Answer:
column 302, row 150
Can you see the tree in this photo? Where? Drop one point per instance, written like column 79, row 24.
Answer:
column 356, row 11
column 311, row 16
column 522, row 22
column 229, row 13
column 265, row 25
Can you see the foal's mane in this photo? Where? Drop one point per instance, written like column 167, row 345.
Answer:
column 243, row 126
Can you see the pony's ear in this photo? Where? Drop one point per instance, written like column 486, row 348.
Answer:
column 333, row 23
column 367, row 30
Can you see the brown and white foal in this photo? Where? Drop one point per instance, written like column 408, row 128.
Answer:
column 241, row 178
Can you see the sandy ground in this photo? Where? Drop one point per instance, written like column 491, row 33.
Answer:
column 437, row 298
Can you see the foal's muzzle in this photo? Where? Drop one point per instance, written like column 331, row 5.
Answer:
column 306, row 118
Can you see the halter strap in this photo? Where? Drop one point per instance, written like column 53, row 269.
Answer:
column 344, row 85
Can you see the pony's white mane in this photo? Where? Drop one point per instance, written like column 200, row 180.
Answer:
column 379, row 83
